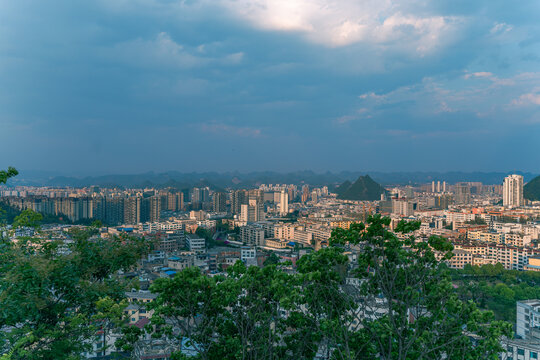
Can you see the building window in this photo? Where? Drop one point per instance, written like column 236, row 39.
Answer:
column 534, row 355
column 521, row 352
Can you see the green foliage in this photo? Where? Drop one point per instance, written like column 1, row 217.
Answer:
column 6, row 174
column 273, row 259
column 52, row 295
column 291, row 217
column 477, row 221
column 395, row 302
column 48, row 299
column 207, row 235
column 27, row 218
column 221, row 226
column 497, row 289
column 233, row 317
column 410, row 279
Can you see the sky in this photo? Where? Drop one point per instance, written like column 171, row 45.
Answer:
column 129, row 86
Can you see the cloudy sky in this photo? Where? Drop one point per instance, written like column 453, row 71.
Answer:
column 136, row 85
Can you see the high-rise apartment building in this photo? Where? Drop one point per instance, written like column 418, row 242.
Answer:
column 238, row 198
column 252, row 212
column 305, row 193
column 252, row 235
column 438, row 187
column 462, row 194
column 132, row 210
column 513, row 191
column 402, row 207
column 219, row 202
column 154, row 208
column 114, row 210
column 200, row 195
column 175, row 201
column 284, row 203
column 256, row 195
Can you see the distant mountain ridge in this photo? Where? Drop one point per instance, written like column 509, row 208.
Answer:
column 238, row 180
column 364, row 188
column 531, row 190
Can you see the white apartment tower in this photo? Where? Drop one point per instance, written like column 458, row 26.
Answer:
column 284, row 203
column 513, row 191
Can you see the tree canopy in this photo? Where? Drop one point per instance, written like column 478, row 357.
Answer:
column 49, row 289
column 369, row 295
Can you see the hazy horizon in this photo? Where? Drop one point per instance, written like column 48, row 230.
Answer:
column 277, row 171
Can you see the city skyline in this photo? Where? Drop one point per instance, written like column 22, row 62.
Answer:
column 118, row 87
column 269, row 179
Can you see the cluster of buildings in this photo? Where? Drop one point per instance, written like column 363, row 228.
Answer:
column 488, row 224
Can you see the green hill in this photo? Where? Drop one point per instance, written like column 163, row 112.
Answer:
column 364, row 188
column 531, row 191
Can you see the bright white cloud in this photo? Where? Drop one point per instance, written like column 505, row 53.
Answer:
column 345, row 22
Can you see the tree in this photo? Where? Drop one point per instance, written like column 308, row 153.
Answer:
column 6, row 174
column 273, row 259
column 207, row 235
column 188, row 302
column 477, row 221
column 233, row 317
column 325, row 318
column 421, row 316
column 49, row 289
column 396, row 301
column 48, row 297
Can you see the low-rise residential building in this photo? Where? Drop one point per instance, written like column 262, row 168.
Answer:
column 252, row 235
column 248, row 253
column 533, row 264
column 491, row 237
column 195, row 244
column 460, row 259
column 180, row 262
column 276, row 243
